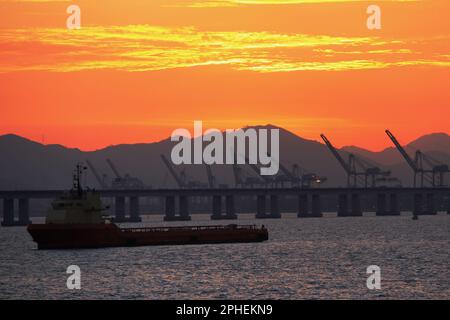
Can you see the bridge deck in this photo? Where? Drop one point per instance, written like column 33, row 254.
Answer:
column 47, row 194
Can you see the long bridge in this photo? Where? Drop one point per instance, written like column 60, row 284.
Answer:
column 222, row 201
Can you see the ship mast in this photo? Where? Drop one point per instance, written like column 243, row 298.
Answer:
column 77, row 179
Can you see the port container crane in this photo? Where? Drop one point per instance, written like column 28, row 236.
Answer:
column 113, row 168
column 416, row 164
column 349, row 167
column 179, row 180
column 306, row 179
column 268, row 181
column 287, row 176
column 97, row 176
column 126, row 182
column 297, row 179
column 437, row 169
column 370, row 172
column 248, row 181
column 212, row 179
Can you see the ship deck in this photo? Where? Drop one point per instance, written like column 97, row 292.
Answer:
column 190, row 228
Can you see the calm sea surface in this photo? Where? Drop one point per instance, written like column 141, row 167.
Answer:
column 304, row 259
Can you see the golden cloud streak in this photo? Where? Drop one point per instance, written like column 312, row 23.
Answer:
column 235, row 3
column 147, row 48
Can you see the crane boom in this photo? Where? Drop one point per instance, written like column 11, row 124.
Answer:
column 113, row 168
column 286, row 172
column 336, row 154
column 97, row 176
column 402, row 151
column 172, row 171
column 256, row 169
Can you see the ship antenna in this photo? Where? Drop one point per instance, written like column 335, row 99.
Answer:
column 77, row 179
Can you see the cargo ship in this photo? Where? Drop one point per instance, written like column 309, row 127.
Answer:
column 76, row 220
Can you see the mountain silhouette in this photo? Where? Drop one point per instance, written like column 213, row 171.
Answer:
column 436, row 145
column 26, row 164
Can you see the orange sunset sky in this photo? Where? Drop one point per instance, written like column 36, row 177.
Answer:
column 138, row 69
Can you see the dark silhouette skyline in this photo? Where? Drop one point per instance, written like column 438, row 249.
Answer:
column 29, row 164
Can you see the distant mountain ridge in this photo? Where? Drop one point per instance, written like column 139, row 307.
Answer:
column 436, row 144
column 26, row 164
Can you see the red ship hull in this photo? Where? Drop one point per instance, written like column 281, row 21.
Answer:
column 66, row 236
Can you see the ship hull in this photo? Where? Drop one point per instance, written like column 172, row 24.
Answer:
column 110, row 235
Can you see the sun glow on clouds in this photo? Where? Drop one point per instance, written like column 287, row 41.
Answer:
column 234, row 3
column 146, row 48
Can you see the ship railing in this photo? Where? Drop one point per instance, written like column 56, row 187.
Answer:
column 191, row 228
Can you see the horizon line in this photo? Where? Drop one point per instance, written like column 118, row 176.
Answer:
column 42, row 143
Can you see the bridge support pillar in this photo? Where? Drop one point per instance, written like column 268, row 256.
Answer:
column 342, row 205
column 8, row 212
column 184, row 208
column 261, row 207
column 230, row 208
column 302, row 206
column 316, row 206
column 135, row 210
column 274, row 207
column 230, row 211
column 216, row 207
column 381, row 204
column 356, row 205
column 120, row 209
column 169, row 207
column 24, row 212
column 394, row 209
column 430, row 207
column 418, row 204
column 448, row 204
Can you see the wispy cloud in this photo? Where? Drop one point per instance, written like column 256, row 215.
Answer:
column 235, row 3
column 146, row 48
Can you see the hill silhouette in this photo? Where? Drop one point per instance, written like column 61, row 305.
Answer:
column 26, row 164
